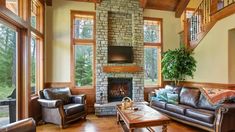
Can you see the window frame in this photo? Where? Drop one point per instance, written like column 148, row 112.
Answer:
column 159, row 47
column 75, row 42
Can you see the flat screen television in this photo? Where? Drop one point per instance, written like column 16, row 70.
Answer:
column 120, row 54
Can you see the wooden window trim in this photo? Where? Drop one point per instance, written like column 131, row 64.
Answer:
column 75, row 42
column 159, row 47
column 23, row 25
column 39, row 16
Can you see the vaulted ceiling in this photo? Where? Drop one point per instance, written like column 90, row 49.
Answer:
column 177, row 6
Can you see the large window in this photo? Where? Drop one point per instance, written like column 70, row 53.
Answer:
column 83, row 44
column 8, row 74
column 36, row 51
column 152, row 51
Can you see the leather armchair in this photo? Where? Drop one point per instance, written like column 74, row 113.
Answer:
column 60, row 107
column 25, row 125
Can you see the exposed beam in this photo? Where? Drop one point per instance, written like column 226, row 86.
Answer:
column 181, row 7
column 143, row 3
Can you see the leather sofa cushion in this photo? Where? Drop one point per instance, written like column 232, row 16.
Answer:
column 201, row 115
column 71, row 109
column 189, row 96
column 204, row 104
column 159, row 104
column 180, row 109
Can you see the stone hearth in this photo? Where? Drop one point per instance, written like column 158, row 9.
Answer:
column 118, row 23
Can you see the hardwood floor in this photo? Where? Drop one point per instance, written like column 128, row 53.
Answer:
column 108, row 124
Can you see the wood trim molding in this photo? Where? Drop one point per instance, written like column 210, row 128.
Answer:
column 56, row 84
column 118, row 69
column 181, row 7
column 225, row 12
column 204, row 84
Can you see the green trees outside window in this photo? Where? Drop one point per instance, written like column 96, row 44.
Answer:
column 83, row 28
column 33, row 65
column 83, row 65
column 7, row 61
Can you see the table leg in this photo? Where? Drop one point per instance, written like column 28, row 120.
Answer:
column 164, row 128
column 118, row 118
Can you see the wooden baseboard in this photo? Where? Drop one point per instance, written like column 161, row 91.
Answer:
column 56, row 84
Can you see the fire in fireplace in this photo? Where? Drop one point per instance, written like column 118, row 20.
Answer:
column 119, row 88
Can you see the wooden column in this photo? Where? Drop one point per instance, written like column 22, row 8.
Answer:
column 214, row 9
column 186, row 33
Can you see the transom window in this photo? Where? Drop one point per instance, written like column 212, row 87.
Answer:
column 36, row 15
column 152, row 31
column 83, row 44
column 83, row 27
column 152, row 52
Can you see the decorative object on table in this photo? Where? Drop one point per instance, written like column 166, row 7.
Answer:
column 127, row 103
column 177, row 64
column 216, row 96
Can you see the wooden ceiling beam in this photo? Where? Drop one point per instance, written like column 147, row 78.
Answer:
column 143, row 3
column 181, row 7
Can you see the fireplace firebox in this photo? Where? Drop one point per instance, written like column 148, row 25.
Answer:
column 119, row 88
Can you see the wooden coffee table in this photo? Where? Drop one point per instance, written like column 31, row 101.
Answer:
column 145, row 116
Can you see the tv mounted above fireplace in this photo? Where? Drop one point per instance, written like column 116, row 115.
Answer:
column 120, row 54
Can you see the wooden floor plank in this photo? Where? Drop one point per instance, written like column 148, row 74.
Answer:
column 109, row 124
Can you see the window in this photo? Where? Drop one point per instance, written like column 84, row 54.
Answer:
column 36, row 51
column 83, row 65
column 83, row 44
column 12, row 5
column 33, row 64
column 83, row 27
column 152, row 51
column 8, row 74
column 36, row 15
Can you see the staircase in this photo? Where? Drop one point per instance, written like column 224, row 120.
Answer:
column 204, row 18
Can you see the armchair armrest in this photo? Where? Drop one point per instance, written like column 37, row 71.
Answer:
column 225, row 117
column 25, row 125
column 50, row 103
column 79, row 99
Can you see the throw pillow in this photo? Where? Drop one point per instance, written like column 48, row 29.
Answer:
column 172, row 98
column 162, row 94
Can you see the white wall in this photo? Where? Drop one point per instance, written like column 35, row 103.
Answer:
column 212, row 54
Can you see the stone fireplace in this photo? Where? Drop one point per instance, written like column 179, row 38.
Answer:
column 118, row 23
column 119, row 88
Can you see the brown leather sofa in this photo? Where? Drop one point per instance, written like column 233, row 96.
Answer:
column 60, row 107
column 195, row 110
column 25, row 125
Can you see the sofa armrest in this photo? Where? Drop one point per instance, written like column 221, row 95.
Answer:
column 150, row 95
column 50, row 103
column 79, row 99
column 25, row 125
column 225, row 118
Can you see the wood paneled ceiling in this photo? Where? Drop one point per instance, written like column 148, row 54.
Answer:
column 169, row 5
column 177, row 6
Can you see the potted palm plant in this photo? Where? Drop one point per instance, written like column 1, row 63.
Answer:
column 177, row 64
